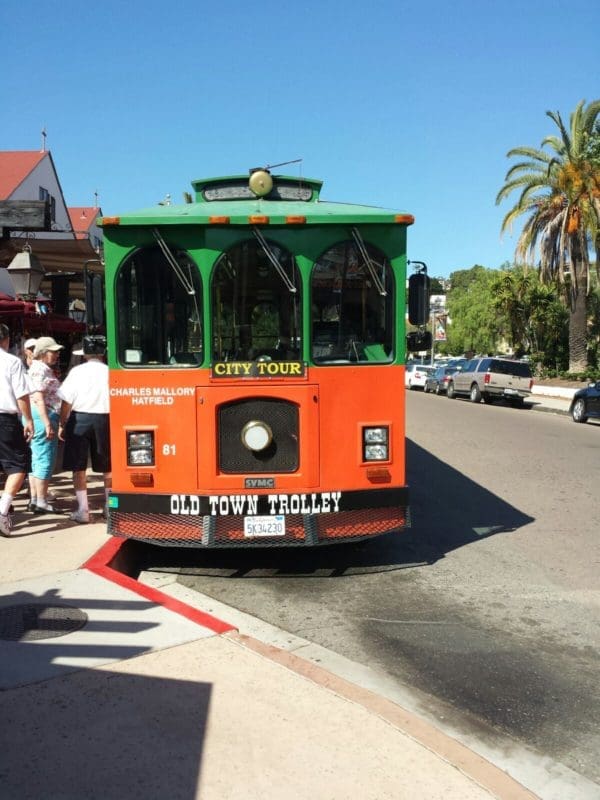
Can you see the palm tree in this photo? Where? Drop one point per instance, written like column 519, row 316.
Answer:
column 560, row 193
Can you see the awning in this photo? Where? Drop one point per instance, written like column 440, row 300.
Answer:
column 56, row 255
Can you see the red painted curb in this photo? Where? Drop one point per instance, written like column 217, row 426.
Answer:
column 100, row 564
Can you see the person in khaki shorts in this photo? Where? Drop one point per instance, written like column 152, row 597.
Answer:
column 84, row 427
column 15, row 456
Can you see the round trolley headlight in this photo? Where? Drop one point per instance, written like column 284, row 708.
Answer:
column 256, row 435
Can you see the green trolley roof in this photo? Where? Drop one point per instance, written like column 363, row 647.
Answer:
column 232, row 201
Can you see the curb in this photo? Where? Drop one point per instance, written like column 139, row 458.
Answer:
column 101, row 564
column 550, row 410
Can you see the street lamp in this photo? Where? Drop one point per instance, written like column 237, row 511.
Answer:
column 26, row 273
column 77, row 310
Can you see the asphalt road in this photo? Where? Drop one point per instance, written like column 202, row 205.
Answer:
column 489, row 604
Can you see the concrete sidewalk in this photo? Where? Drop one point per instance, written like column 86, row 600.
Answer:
column 110, row 688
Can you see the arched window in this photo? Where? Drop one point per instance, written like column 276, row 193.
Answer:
column 256, row 303
column 352, row 305
column 159, row 309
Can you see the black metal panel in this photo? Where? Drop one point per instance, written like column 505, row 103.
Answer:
column 281, row 416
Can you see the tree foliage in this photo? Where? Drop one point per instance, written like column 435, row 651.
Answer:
column 476, row 326
column 537, row 320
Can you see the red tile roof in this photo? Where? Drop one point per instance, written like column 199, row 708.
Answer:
column 15, row 166
column 82, row 218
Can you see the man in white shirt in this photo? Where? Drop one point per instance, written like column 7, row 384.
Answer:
column 15, row 456
column 84, row 427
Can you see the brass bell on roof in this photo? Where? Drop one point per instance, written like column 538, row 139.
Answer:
column 260, row 182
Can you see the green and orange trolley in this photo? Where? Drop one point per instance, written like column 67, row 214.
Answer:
column 256, row 345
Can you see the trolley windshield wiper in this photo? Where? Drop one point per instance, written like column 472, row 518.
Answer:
column 369, row 263
column 173, row 263
column 273, row 259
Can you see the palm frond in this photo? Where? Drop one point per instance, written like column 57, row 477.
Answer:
column 529, row 152
column 557, row 119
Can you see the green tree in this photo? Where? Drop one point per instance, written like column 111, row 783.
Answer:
column 537, row 320
column 560, row 196
column 476, row 326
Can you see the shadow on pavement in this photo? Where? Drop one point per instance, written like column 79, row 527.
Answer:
column 103, row 734
column 448, row 511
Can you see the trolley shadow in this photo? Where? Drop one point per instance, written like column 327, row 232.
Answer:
column 448, row 511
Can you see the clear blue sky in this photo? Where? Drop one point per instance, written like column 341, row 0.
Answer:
column 406, row 105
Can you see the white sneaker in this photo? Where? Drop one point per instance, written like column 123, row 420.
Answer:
column 5, row 524
column 82, row 517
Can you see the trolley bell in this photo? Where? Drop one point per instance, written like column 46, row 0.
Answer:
column 260, row 182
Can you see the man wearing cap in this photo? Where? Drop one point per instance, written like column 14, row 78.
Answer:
column 14, row 404
column 84, row 427
column 45, row 408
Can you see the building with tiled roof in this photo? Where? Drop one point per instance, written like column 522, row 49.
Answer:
column 74, row 240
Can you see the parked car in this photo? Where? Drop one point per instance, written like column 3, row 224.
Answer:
column 415, row 375
column 490, row 379
column 586, row 403
column 437, row 381
column 457, row 363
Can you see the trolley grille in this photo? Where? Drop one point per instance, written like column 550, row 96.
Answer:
column 280, row 456
column 213, row 532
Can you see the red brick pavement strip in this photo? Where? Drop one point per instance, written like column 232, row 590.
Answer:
column 101, row 564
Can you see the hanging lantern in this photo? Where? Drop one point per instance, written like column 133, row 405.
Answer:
column 26, row 273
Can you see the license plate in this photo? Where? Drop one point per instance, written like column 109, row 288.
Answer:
column 510, row 391
column 264, row 526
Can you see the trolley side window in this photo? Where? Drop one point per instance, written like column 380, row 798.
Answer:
column 159, row 307
column 256, row 303
column 352, row 306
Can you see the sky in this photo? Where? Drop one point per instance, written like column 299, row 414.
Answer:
column 410, row 106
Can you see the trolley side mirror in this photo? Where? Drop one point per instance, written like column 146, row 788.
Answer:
column 418, row 298
column 418, row 340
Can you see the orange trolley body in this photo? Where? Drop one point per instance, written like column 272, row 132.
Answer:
column 256, row 349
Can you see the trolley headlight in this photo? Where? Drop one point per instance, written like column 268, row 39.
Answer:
column 256, row 435
column 140, row 448
column 376, row 444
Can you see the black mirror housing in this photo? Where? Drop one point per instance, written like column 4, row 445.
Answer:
column 418, row 298
column 418, row 340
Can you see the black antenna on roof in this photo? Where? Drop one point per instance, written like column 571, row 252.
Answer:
column 283, row 163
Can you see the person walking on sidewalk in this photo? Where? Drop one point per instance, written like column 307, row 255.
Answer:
column 15, row 455
column 45, row 408
column 84, row 427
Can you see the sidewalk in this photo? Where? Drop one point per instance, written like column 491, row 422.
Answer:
column 112, row 689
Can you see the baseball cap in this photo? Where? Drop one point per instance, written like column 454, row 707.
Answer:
column 29, row 344
column 45, row 343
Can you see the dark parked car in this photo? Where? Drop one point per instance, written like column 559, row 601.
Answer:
column 438, row 381
column 586, row 403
